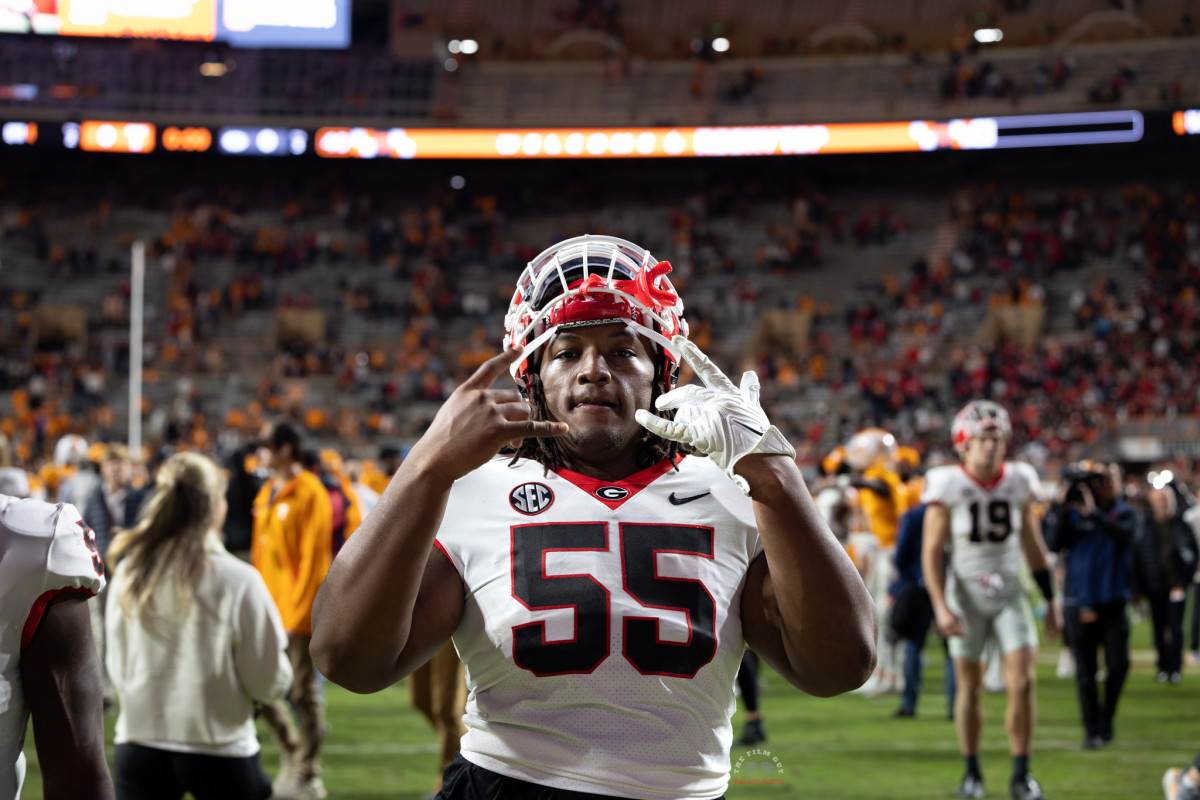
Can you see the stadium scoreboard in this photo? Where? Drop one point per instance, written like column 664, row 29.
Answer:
column 241, row 23
column 357, row 142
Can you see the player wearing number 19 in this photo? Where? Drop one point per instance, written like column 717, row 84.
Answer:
column 602, row 584
column 982, row 511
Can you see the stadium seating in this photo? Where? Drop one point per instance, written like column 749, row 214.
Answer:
column 900, row 315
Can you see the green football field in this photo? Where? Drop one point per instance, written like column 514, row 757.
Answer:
column 843, row 747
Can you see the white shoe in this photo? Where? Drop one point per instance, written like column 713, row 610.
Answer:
column 1176, row 788
column 1066, row 664
column 993, row 676
column 888, row 684
column 297, row 788
column 287, row 776
column 871, row 686
column 1170, row 783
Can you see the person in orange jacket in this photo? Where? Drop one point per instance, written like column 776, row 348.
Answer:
column 292, row 548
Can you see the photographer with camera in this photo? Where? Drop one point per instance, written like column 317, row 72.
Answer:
column 1094, row 528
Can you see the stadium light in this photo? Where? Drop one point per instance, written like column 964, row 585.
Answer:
column 1187, row 122
column 1159, row 480
column 988, row 35
column 720, row 44
column 469, row 46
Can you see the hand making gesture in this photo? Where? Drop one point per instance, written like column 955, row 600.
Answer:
column 477, row 420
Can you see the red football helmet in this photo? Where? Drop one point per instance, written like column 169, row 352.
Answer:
column 591, row 280
column 976, row 417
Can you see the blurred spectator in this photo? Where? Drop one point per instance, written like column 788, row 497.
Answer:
column 345, row 509
column 438, row 689
column 367, row 497
column 912, row 614
column 193, row 630
column 292, row 549
column 1165, row 559
column 242, row 487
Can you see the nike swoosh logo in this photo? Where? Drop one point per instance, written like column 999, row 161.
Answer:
column 678, row 501
column 755, row 431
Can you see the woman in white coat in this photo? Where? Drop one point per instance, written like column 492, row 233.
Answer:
column 194, row 640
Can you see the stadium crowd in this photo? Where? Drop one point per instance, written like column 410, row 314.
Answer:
column 894, row 355
column 901, row 354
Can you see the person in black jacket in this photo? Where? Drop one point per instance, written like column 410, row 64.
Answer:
column 240, row 491
column 1165, row 560
column 1095, row 529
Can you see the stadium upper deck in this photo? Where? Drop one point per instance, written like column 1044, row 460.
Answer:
column 606, row 63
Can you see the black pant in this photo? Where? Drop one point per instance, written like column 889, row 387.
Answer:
column 1167, row 617
column 747, row 679
column 463, row 780
column 147, row 773
column 1195, row 623
column 1110, row 628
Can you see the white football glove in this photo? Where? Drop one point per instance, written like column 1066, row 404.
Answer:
column 720, row 419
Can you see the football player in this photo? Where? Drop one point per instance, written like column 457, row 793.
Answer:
column 870, row 453
column 833, row 494
column 982, row 511
column 602, row 584
column 49, row 567
column 882, row 499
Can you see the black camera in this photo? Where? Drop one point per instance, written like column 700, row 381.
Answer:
column 1079, row 474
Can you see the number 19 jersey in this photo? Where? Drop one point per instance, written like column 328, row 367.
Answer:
column 986, row 520
column 601, row 630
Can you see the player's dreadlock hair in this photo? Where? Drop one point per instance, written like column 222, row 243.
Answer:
column 547, row 452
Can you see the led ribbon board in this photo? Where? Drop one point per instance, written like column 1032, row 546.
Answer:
column 976, row 133
column 980, row 133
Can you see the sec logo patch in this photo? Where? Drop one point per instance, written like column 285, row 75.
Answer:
column 531, row 498
column 612, row 492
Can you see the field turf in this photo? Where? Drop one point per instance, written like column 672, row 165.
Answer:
column 845, row 747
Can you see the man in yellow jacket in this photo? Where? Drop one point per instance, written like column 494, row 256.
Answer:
column 292, row 548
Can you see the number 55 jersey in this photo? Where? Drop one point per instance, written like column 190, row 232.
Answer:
column 601, row 630
column 45, row 550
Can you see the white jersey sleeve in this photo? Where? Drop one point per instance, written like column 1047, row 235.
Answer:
column 601, row 630
column 73, row 562
column 45, row 550
column 58, row 554
column 1026, row 473
column 937, row 485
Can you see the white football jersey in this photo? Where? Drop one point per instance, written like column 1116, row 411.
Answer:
column 986, row 520
column 602, row 630
column 45, row 550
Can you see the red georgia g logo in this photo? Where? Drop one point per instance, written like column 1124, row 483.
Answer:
column 531, row 498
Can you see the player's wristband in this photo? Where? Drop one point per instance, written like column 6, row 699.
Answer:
column 1042, row 577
